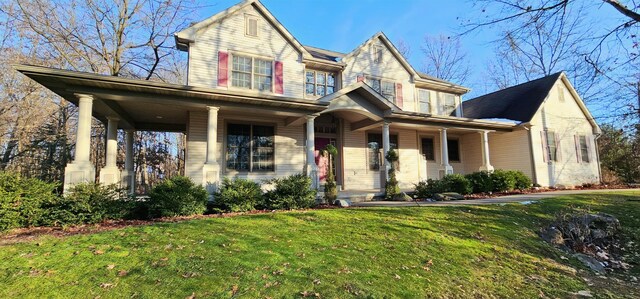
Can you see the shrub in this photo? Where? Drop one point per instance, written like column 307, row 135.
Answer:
column 87, row 203
column 457, row 183
column 522, row 181
column 503, row 180
column 392, row 190
column 426, row 189
column 292, row 192
column 237, row 195
column 22, row 200
column 330, row 187
column 481, row 181
column 177, row 196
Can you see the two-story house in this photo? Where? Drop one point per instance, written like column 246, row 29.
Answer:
column 259, row 104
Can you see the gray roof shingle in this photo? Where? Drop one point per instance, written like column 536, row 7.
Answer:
column 519, row 102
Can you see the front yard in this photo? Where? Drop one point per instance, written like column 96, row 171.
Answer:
column 469, row 251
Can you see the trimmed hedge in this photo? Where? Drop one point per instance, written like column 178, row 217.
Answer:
column 177, row 196
column 237, row 195
column 477, row 182
column 292, row 192
column 23, row 201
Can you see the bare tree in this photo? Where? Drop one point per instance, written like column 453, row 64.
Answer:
column 130, row 38
column 445, row 58
column 404, row 48
column 601, row 61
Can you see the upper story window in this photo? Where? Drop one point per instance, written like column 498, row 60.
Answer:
column 251, row 73
column 386, row 88
column 319, row 83
column 424, row 100
column 377, row 52
column 449, row 104
column 251, row 26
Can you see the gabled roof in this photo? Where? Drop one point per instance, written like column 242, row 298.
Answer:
column 519, row 102
column 394, row 51
column 365, row 90
column 188, row 35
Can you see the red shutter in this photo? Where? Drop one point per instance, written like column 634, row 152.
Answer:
column 399, row 95
column 223, row 68
column 578, row 154
column 360, row 78
column 279, row 89
column 545, row 151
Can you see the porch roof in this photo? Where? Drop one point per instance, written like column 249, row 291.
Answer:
column 158, row 106
column 151, row 105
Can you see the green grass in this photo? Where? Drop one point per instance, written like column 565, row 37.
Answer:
column 470, row 251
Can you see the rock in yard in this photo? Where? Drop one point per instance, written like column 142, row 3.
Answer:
column 447, row 196
column 552, row 235
column 590, row 262
column 343, row 203
column 403, row 197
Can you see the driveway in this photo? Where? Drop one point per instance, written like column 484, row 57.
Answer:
column 487, row 201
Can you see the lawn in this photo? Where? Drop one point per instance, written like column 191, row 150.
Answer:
column 470, row 251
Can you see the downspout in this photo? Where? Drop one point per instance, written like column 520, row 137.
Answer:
column 598, row 156
column 532, row 158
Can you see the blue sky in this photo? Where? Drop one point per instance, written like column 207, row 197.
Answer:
column 341, row 25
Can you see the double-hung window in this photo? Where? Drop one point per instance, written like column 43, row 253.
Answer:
column 449, row 104
column 386, row 88
column 375, row 149
column 584, row 148
column 377, row 52
column 427, row 149
column 250, row 147
column 453, row 148
column 424, row 100
column 552, row 146
column 252, row 73
column 319, row 83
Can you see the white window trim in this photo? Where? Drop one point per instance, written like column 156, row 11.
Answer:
column 248, row 17
column 315, row 79
column 417, row 94
column 253, row 58
column 377, row 58
column 368, row 78
column 587, row 141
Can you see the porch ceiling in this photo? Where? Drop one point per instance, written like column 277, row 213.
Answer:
column 156, row 106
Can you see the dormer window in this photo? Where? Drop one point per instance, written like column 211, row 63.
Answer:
column 376, row 52
column 251, row 26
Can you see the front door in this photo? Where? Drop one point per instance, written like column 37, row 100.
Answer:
column 322, row 161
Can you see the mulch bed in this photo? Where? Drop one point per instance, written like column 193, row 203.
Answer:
column 542, row 190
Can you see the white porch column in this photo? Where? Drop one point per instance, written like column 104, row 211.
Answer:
column 110, row 174
column 385, row 149
column 128, row 175
column 444, row 152
column 81, row 170
column 311, row 169
column 486, row 163
column 211, row 169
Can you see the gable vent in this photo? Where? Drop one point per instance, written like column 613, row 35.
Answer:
column 251, row 26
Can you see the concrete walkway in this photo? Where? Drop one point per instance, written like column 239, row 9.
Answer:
column 488, row 201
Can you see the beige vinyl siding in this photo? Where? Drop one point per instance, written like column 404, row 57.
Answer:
column 408, row 151
column 196, row 151
column 566, row 120
column 357, row 175
column 228, row 35
column 389, row 69
column 289, row 146
column 511, row 151
column 471, row 148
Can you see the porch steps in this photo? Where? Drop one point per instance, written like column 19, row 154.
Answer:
column 360, row 195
